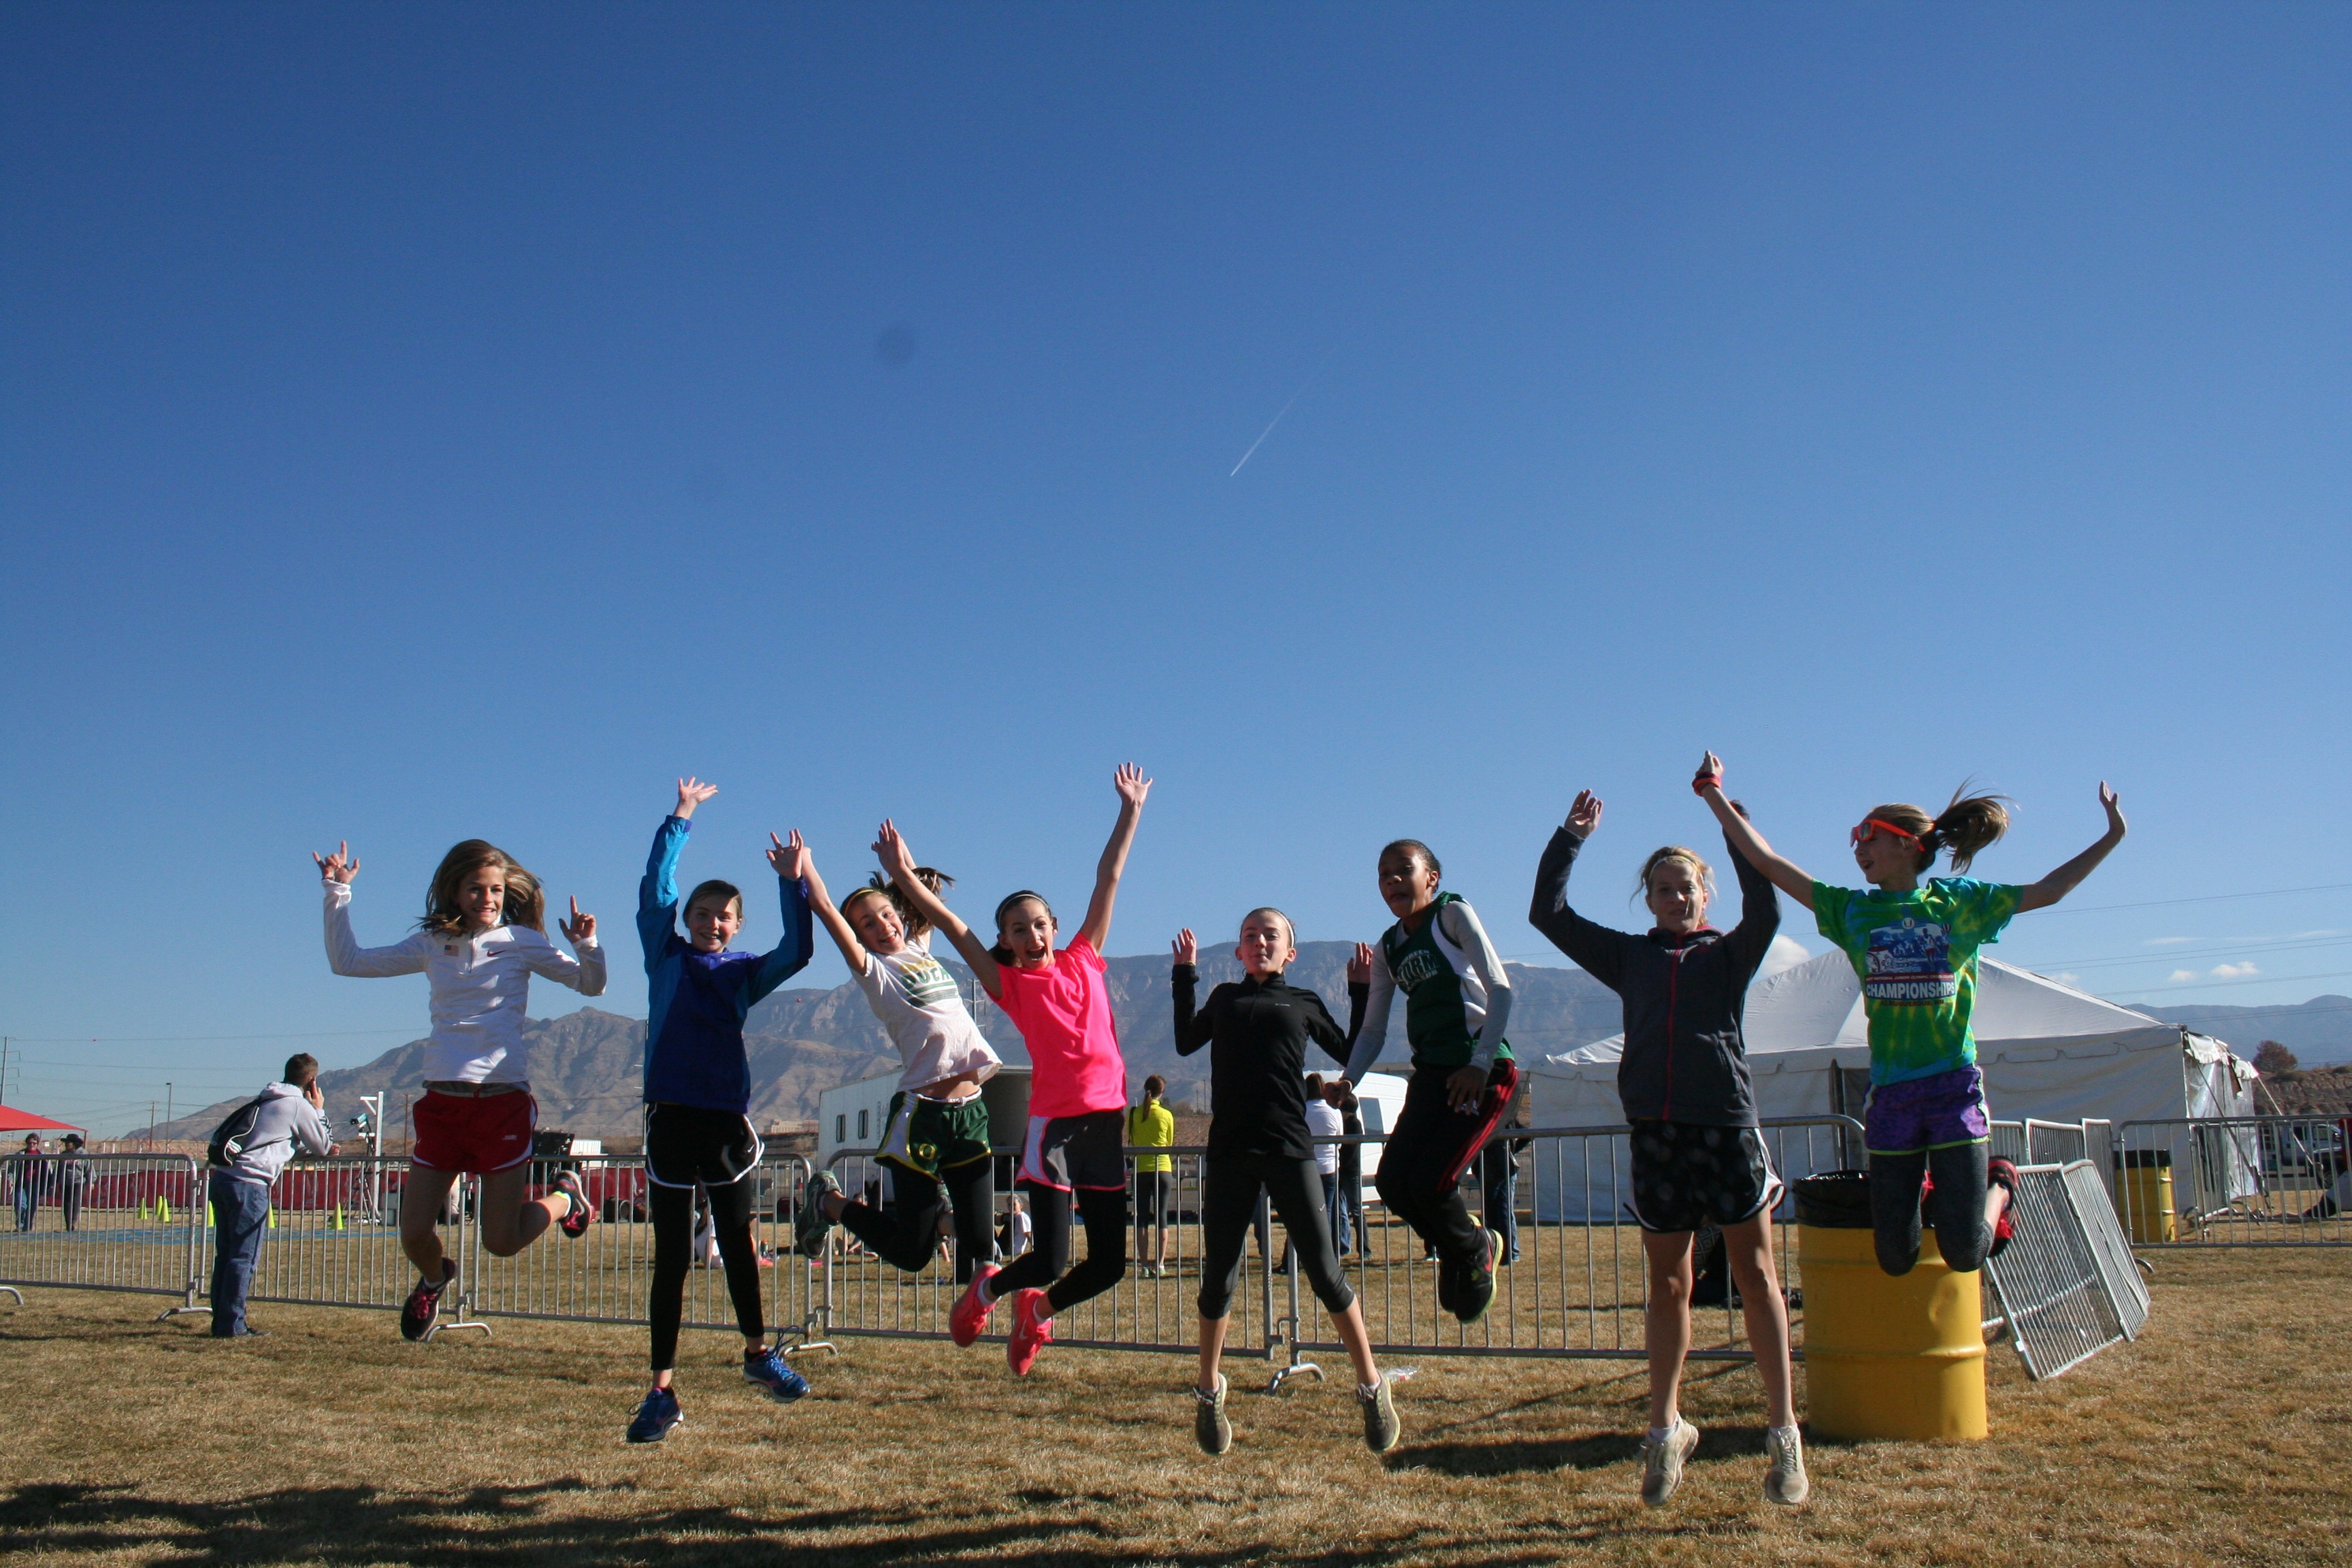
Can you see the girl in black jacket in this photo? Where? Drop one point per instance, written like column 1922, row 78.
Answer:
column 1698, row 1157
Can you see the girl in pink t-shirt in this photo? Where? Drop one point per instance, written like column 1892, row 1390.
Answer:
column 1078, row 1087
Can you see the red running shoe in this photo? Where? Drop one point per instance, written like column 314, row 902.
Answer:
column 2001, row 1173
column 423, row 1304
column 969, row 1316
column 574, row 1223
column 1033, row 1331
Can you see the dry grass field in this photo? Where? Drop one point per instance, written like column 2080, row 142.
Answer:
column 2217, row 1439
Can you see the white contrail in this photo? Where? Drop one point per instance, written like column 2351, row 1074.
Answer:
column 1285, row 408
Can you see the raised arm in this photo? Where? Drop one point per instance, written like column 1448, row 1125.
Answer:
column 791, row 956
column 1193, row 1029
column 853, row 952
column 344, row 953
column 2040, row 895
column 1745, row 840
column 1132, row 787
column 1372, row 1030
column 657, row 888
column 1597, row 950
column 1760, row 906
column 585, row 974
column 1319, row 1026
column 900, row 862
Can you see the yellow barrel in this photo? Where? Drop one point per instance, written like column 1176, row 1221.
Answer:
column 1889, row 1357
column 2144, row 1195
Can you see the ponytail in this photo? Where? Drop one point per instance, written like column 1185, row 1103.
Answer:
column 1967, row 827
column 1972, row 823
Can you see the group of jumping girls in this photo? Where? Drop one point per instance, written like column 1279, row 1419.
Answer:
column 1697, row 1155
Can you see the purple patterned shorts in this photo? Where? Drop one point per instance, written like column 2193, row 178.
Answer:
column 1927, row 1113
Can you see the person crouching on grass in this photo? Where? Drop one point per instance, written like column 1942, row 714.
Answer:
column 478, row 944
column 1257, row 1031
column 698, row 1091
column 1698, row 1155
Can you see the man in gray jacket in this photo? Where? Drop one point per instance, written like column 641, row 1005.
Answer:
column 288, row 1120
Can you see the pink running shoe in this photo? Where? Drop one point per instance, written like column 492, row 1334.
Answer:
column 1033, row 1331
column 969, row 1317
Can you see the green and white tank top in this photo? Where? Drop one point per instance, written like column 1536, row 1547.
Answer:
column 1444, row 999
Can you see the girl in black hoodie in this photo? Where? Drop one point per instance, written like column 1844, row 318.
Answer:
column 1698, row 1157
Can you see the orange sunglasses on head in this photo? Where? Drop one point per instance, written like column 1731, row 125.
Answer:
column 1872, row 825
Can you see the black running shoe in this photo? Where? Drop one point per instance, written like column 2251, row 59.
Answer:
column 1477, row 1287
column 423, row 1304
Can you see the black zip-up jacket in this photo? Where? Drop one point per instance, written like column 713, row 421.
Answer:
column 1684, row 1058
column 1257, row 1062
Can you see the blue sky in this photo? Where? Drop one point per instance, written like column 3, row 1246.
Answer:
column 418, row 423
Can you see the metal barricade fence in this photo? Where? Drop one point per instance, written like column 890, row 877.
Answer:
column 2066, row 1283
column 2055, row 1142
column 2238, row 1181
column 1577, row 1287
column 104, row 1222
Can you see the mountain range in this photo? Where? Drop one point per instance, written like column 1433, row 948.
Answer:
column 586, row 1065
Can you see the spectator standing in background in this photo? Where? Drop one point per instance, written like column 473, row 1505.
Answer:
column 73, row 1178
column 287, row 1120
column 1348, row 1203
column 1323, row 1121
column 28, row 1173
column 1151, row 1125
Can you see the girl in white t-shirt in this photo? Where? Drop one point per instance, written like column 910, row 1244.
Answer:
column 934, row 1139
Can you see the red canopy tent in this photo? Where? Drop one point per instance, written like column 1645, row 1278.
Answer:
column 14, row 1121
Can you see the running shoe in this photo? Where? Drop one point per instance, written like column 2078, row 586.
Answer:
column 810, row 1225
column 1476, row 1290
column 1662, row 1461
column 967, row 1318
column 1209, row 1423
column 1449, row 1288
column 1785, row 1481
column 766, row 1369
column 2002, row 1174
column 1033, row 1331
column 656, row 1418
column 1381, row 1429
column 575, row 1224
column 423, row 1304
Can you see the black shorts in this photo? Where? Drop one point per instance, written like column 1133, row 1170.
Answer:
column 687, row 1146
column 1686, row 1175
column 1067, row 1151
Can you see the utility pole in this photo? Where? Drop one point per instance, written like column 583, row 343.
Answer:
column 4, row 1069
column 151, row 1127
column 167, row 1101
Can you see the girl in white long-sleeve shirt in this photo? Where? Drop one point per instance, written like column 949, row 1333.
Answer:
column 480, row 943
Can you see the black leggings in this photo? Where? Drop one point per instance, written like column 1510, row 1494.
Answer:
column 1230, row 1188
column 1955, row 1208
column 1425, row 1154
column 1047, row 1262
column 911, row 1240
column 731, row 1216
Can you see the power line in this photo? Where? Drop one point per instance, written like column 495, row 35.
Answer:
column 184, row 1040
column 2204, row 898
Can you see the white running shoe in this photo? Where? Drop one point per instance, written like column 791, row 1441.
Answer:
column 1662, row 1462
column 1785, row 1481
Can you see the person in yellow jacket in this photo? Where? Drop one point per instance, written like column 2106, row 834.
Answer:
column 1151, row 1125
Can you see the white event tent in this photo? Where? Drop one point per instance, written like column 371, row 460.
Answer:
column 2047, row 1051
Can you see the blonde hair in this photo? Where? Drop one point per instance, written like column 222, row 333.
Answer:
column 1970, row 824
column 1659, row 856
column 910, row 918
column 525, row 904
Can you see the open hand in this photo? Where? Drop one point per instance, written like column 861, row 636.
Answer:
column 692, row 792
column 1359, row 964
column 1131, row 783
column 1186, row 947
column 2107, row 798
column 342, row 865
column 892, row 851
column 1585, row 815
column 1465, row 1088
column 790, row 857
column 580, row 928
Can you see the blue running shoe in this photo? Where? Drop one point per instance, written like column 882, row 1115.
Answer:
column 656, row 1418
column 766, row 1369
